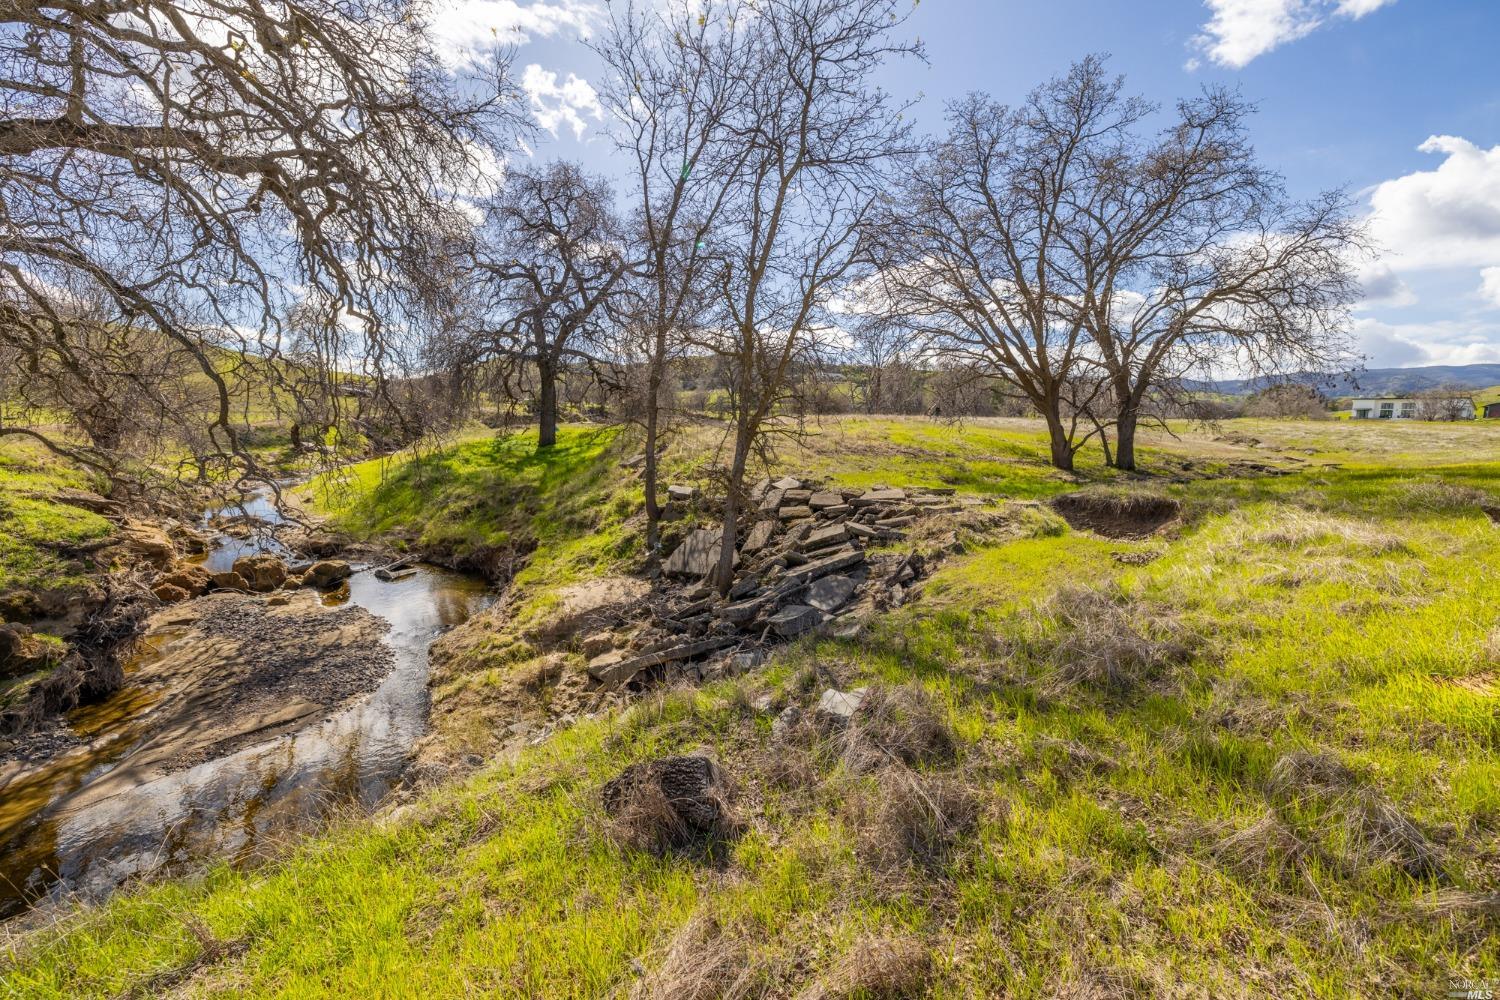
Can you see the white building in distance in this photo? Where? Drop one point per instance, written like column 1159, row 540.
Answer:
column 1413, row 408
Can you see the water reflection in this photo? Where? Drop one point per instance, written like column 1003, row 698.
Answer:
column 63, row 840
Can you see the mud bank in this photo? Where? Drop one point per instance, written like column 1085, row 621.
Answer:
column 243, row 720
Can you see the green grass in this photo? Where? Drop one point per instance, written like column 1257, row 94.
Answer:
column 1348, row 611
column 34, row 528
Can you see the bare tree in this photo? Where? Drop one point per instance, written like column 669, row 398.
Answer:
column 817, row 136
column 971, row 249
column 1288, row 400
column 677, row 75
column 1445, row 402
column 553, row 259
column 889, row 358
column 1185, row 256
column 179, row 177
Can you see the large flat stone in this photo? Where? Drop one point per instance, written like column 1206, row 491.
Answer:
column 794, row 619
column 759, row 535
column 772, row 502
column 611, row 673
column 829, row 593
column 839, row 706
column 871, row 498
column 825, row 498
column 830, row 564
column 794, row 513
column 820, row 538
column 696, row 556
column 787, row 483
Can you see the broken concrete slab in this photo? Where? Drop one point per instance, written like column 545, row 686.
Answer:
column 794, row 619
column 772, row 503
column 697, row 555
column 825, row 498
column 829, row 593
column 839, row 707
column 820, row 538
column 861, row 530
column 613, row 674
column 871, row 498
column 794, row 513
column 796, row 497
column 683, row 493
column 843, row 559
column 787, row 483
column 759, row 535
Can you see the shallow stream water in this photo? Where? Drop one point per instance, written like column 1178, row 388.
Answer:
column 61, row 838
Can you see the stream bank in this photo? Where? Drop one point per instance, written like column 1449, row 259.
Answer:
column 243, row 719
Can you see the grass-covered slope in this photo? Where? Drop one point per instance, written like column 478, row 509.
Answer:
column 1259, row 756
column 36, row 531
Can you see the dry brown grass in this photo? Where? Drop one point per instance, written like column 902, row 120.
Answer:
column 877, row 968
column 1378, row 832
column 1267, row 848
column 912, row 817
column 1302, row 771
column 704, row 961
column 1439, row 497
column 671, row 804
column 1106, row 639
column 902, row 724
column 1299, row 529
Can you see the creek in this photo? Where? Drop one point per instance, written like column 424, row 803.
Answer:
column 96, row 817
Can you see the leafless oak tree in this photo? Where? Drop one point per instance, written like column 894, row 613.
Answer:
column 678, row 77
column 179, row 177
column 818, row 136
column 553, row 260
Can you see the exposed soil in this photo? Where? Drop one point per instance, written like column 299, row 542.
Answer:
column 1117, row 515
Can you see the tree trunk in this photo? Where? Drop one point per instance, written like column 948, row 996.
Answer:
column 724, row 572
column 1062, row 447
column 546, row 406
column 654, row 378
column 296, row 436
column 1125, row 439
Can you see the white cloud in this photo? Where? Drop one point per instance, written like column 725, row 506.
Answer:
column 1443, row 218
column 464, row 29
column 565, row 103
column 1443, row 342
column 1241, row 30
column 1489, row 286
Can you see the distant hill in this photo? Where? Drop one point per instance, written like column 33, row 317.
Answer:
column 1377, row 381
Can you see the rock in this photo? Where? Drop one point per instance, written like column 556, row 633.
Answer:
column 170, row 593
column 838, row 707
column 787, row 483
column 278, row 600
column 829, row 593
column 149, row 543
column 584, row 607
column 772, row 503
column 681, row 493
column 872, row 498
column 820, row 538
column 326, row 573
column 596, row 644
column 739, row 663
column 796, row 497
column 794, row 619
column 794, row 513
column 263, row 572
column 831, row 512
column 228, row 580
column 743, row 587
column 602, row 667
column 691, row 787
column 758, row 537
column 193, row 580
column 762, row 703
column 825, row 499
column 743, row 611
column 861, row 530
column 696, row 556
column 613, row 673
column 832, row 563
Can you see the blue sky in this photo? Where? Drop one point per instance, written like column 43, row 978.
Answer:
column 1396, row 100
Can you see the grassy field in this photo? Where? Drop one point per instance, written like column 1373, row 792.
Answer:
column 1258, row 755
column 34, row 528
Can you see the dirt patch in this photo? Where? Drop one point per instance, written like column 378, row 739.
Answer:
column 1117, row 515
